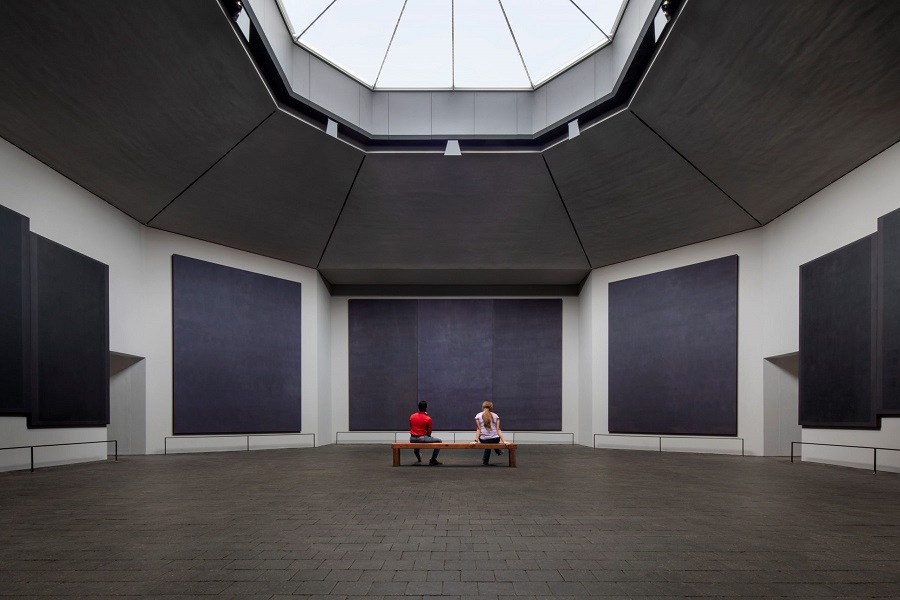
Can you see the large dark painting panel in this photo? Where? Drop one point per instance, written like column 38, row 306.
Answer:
column 236, row 350
column 455, row 359
column 888, row 331
column 70, row 337
column 527, row 364
column 673, row 351
column 837, row 338
column 383, row 358
column 15, row 310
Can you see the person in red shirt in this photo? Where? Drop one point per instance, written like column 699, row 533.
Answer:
column 420, row 428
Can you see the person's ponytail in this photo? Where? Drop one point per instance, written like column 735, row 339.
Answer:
column 487, row 416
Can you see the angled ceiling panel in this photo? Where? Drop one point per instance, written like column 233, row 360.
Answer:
column 278, row 193
column 631, row 195
column 130, row 100
column 775, row 100
column 471, row 219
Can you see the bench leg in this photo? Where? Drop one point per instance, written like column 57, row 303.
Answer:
column 396, row 456
column 512, row 457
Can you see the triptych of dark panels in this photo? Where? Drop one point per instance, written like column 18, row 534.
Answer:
column 70, row 333
column 673, row 351
column 54, row 330
column 455, row 354
column 850, row 332
column 888, row 314
column 236, row 350
column 15, row 312
column 837, row 338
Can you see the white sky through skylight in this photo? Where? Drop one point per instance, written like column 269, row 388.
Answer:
column 452, row 44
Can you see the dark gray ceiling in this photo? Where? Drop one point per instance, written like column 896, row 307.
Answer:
column 278, row 193
column 775, row 100
column 472, row 218
column 631, row 195
column 747, row 109
column 132, row 100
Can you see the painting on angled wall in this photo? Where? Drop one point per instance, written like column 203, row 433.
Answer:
column 70, row 337
column 673, row 351
column 236, row 350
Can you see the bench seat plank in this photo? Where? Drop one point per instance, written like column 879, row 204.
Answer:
column 397, row 446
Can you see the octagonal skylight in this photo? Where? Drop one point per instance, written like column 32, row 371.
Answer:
column 452, row 44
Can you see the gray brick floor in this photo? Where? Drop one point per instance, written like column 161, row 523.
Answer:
column 339, row 522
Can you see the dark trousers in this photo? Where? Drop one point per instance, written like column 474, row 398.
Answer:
column 427, row 439
column 487, row 453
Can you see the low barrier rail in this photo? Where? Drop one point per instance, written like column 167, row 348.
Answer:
column 874, row 450
column 32, row 447
column 670, row 437
column 242, row 435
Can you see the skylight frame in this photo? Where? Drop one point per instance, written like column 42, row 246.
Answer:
column 535, row 85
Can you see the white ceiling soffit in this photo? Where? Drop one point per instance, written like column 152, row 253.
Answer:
column 452, row 44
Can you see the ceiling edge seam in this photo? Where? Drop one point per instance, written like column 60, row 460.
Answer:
column 82, row 186
column 343, row 206
column 566, row 208
column 208, row 169
column 693, row 166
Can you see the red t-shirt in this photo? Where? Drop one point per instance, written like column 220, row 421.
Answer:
column 419, row 424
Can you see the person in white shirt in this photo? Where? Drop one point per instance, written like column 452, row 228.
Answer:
column 487, row 430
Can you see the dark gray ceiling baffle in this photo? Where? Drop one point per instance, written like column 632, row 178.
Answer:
column 775, row 100
column 278, row 193
column 131, row 100
column 746, row 110
column 631, row 195
column 472, row 219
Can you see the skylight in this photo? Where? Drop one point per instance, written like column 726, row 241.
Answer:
column 452, row 44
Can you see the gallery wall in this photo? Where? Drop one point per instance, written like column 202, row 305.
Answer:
column 140, row 302
column 140, row 298
column 769, row 297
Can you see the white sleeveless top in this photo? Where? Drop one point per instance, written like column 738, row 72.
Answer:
column 482, row 431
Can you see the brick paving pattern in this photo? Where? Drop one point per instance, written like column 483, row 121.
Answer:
column 338, row 522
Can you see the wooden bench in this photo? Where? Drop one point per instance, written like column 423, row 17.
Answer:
column 396, row 447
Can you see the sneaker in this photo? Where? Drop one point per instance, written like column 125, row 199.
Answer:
column 498, row 451
column 433, row 462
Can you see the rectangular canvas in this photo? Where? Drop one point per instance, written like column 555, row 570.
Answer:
column 236, row 350
column 455, row 359
column 888, row 314
column 527, row 364
column 673, row 351
column 382, row 363
column 70, row 337
column 15, row 312
column 837, row 338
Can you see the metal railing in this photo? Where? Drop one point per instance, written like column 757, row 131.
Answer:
column 874, row 450
column 32, row 447
column 669, row 437
column 241, row 435
column 511, row 435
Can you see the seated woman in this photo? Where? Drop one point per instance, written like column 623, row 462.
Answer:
column 487, row 430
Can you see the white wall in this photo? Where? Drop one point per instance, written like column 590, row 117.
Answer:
column 139, row 259
column 768, row 303
column 571, row 339
column 140, row 318
column 747, row 246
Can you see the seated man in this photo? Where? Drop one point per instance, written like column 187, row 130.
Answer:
column 420, row 431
